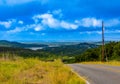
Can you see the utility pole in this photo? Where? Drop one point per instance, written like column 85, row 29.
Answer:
column 103, row 51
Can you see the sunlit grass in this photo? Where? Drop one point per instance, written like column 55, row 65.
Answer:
column 113, row 63
column 31, row 71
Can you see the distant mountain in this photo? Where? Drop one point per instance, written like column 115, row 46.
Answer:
column 4, row 43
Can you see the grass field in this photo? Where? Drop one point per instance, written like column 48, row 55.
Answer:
column 34, row 71
column 113, row 63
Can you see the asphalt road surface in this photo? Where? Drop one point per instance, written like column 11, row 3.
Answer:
column 98, row 74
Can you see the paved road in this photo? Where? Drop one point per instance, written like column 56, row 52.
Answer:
column 98, row 74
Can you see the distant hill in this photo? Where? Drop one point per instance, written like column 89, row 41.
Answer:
column 68, row 53
column 49, row 52
column 4, row 43
column 70, row 50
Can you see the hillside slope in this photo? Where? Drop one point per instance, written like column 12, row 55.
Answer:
column 4, row 43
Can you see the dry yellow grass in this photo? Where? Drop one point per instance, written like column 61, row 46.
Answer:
column 34, row 71
column 113, row 63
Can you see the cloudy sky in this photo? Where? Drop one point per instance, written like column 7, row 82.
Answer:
column 59, row 20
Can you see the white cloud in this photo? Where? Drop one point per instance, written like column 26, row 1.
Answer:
column 7, row 24
column 20, row 22
column 16, row 30
column 67, row 25
column 93, row 22
column 38, row 28
column 58, row 13
column 89, row 22
column 25, row 28
column 112, row 22
column 10, row 23
column 30, row 26
column 48, row 20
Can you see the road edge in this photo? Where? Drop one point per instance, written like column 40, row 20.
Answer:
column 87, row 82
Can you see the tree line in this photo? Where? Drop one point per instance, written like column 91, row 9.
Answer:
column 112, row 52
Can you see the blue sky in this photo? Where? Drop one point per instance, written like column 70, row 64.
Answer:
column 59, row 20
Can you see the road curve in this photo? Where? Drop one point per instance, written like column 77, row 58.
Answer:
column 98, row 74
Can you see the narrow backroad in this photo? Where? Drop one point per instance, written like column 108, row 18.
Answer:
column 98, row 74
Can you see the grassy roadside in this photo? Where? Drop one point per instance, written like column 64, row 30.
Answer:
column 27, row 71
column 112, row 63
